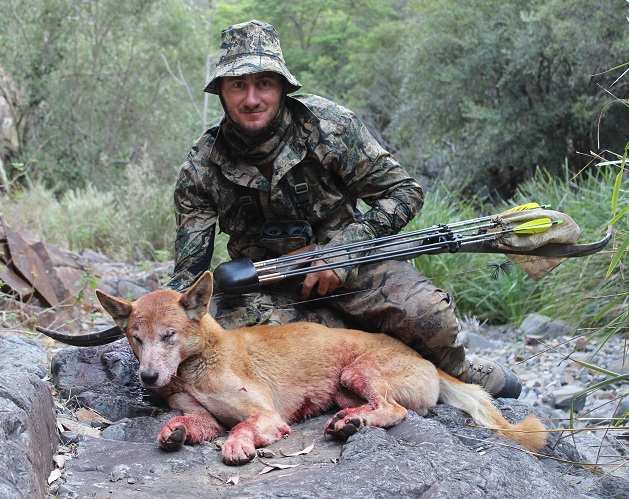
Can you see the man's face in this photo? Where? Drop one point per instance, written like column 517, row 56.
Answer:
column 252, row 101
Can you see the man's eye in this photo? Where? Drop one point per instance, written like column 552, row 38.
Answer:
column 265, row 83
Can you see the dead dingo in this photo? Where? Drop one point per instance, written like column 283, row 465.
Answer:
column 256, row 381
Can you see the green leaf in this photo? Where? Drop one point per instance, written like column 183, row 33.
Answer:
column 619, row 215
column 596, row 368
column 616, row 191
column 619, row 254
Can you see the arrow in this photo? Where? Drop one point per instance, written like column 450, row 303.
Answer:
column 244, row 276
column 315, row 253
column 536, row 226
column 523, row 207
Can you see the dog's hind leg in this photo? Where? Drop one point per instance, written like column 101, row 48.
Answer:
column 189, row 429
column 389, row 381
column 261, row 429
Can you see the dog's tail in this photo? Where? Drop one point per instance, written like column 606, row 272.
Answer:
column 474, row 400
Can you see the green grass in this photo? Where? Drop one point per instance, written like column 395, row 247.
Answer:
column 577, row 284
column 130, row 224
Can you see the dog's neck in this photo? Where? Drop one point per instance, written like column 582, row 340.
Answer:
column 212, row 334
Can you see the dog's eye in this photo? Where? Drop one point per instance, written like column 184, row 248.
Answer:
column 169, row 334
column 137, row 339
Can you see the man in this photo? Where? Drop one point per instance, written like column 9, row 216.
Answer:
column 280, row 172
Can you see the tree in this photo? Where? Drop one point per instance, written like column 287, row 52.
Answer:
column 492, row 89
column 92, row 91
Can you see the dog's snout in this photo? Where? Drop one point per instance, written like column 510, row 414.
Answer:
column 149, row 376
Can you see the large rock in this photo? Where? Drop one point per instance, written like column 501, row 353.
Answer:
column 28, row 434
column 104, row 379
column 437, row 456
column 18, row 353
column 422, row 457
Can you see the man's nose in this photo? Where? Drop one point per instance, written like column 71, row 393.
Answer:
column 252, row 98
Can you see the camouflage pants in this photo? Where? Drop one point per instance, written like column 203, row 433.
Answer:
column 390, row 297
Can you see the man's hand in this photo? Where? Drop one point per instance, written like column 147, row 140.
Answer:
column 326, row 281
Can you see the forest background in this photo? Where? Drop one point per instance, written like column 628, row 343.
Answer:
column 489, row 103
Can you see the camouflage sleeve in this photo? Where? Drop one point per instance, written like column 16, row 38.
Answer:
column 195, row 217
column 375, row 176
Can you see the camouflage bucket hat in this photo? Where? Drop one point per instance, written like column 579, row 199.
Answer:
column 247, row 48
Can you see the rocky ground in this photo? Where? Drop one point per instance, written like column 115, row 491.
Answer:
column 106, row 457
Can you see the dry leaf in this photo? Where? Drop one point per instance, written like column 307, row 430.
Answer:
column 54, row 475
column 275, row 466
column 59, row 460
column 71, row 425
column 306, row 450
column 85, row 415
column 233, row 480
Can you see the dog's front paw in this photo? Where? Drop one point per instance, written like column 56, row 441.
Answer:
column 342, row 426
column 172, row 439
column 236, row 452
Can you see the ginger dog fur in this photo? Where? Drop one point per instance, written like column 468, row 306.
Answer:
column 253, row 382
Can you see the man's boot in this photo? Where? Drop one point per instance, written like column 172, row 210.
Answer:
column 498, row 380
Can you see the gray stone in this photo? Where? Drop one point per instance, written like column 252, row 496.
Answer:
column 23, row 354
column 91, row 257
column 474, row 341
column 616, row 487
column 28, row 435
column 104, row 379
column 596, row 450
column 69, row 437
column 622, row 411
column 141, row 429
column 541, row 325
column 619, row 365
column 420, row 457
column 564, row 398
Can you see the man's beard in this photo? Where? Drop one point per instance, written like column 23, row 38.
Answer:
column 251, row 132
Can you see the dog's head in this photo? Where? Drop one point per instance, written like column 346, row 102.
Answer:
column 162, row 327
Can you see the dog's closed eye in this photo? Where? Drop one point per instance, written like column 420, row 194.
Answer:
column 169, row 335
column 137, row 339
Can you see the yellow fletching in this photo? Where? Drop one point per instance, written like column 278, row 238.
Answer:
column 536, row 226
column 522, row 207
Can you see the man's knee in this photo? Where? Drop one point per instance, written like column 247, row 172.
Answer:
column 436, row 328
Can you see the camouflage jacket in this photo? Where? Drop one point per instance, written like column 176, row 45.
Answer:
column 341, row 163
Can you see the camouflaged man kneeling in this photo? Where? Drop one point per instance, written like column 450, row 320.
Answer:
column 283, row 171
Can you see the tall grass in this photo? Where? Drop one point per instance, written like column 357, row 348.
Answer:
column 134, row 223
column 507, row 297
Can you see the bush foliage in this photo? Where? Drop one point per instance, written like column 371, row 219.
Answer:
column 483, row 90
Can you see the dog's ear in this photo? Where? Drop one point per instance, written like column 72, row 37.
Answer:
column 118, row 308
column 196, row 300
